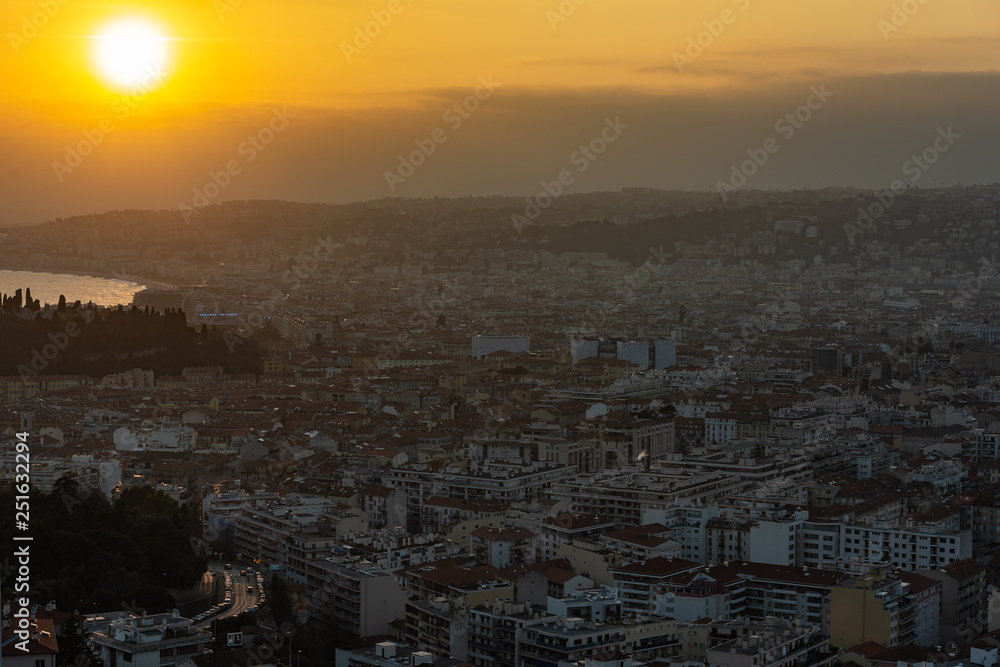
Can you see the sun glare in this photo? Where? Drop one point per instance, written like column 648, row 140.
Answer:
column 132, row 53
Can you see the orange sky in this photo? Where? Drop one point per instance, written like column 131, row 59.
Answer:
column 233, row 60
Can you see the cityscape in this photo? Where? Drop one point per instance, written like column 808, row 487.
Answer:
column 556, row 384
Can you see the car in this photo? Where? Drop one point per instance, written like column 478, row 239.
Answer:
column 249, row 589
column 227, row 566
column 243, row 573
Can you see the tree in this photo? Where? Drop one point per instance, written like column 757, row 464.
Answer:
column 74, row 649
column 442, row 320
column 62, row 303
column 281, row 605
column 153, row 599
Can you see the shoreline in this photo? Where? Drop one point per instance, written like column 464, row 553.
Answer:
column 138, row 281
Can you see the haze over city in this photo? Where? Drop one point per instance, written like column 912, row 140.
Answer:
column 560, row 69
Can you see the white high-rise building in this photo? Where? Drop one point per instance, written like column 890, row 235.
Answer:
column 582, row 349
column 636, row 352
column 664, row 354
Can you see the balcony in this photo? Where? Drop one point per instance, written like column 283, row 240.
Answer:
column 140, row 647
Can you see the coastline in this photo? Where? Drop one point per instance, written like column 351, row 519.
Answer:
column 140, row 282
column 116, row 289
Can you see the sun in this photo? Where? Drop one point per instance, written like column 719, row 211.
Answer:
column 132, row 54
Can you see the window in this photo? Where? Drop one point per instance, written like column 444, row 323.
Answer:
column 39, row 663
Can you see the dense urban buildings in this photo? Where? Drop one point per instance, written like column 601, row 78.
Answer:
column 759, row 460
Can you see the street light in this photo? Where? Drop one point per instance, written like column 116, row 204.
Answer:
column 298, row 658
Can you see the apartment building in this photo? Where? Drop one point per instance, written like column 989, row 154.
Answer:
column 388, row 654
column 751, row 590
column 908, row 548
column 625, row 441
column 353, row 596
column 473, row 586
column 438, row 625
column 567, row 641
column 391, row 550
column 504, row 483
column 566, row 527
column 964, row 608
column 157, row 640
column 638, row 582
column 792, row 646
column 643, row 542
column 289, row 534
column 440, row 513
column 885, row 609
column 626, row 494
column 494, row 633
column 502, row 547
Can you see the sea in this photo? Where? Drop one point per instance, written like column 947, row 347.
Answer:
column 48, row 286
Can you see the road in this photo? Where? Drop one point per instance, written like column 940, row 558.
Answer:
column 241, row 599
column 207, row 582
